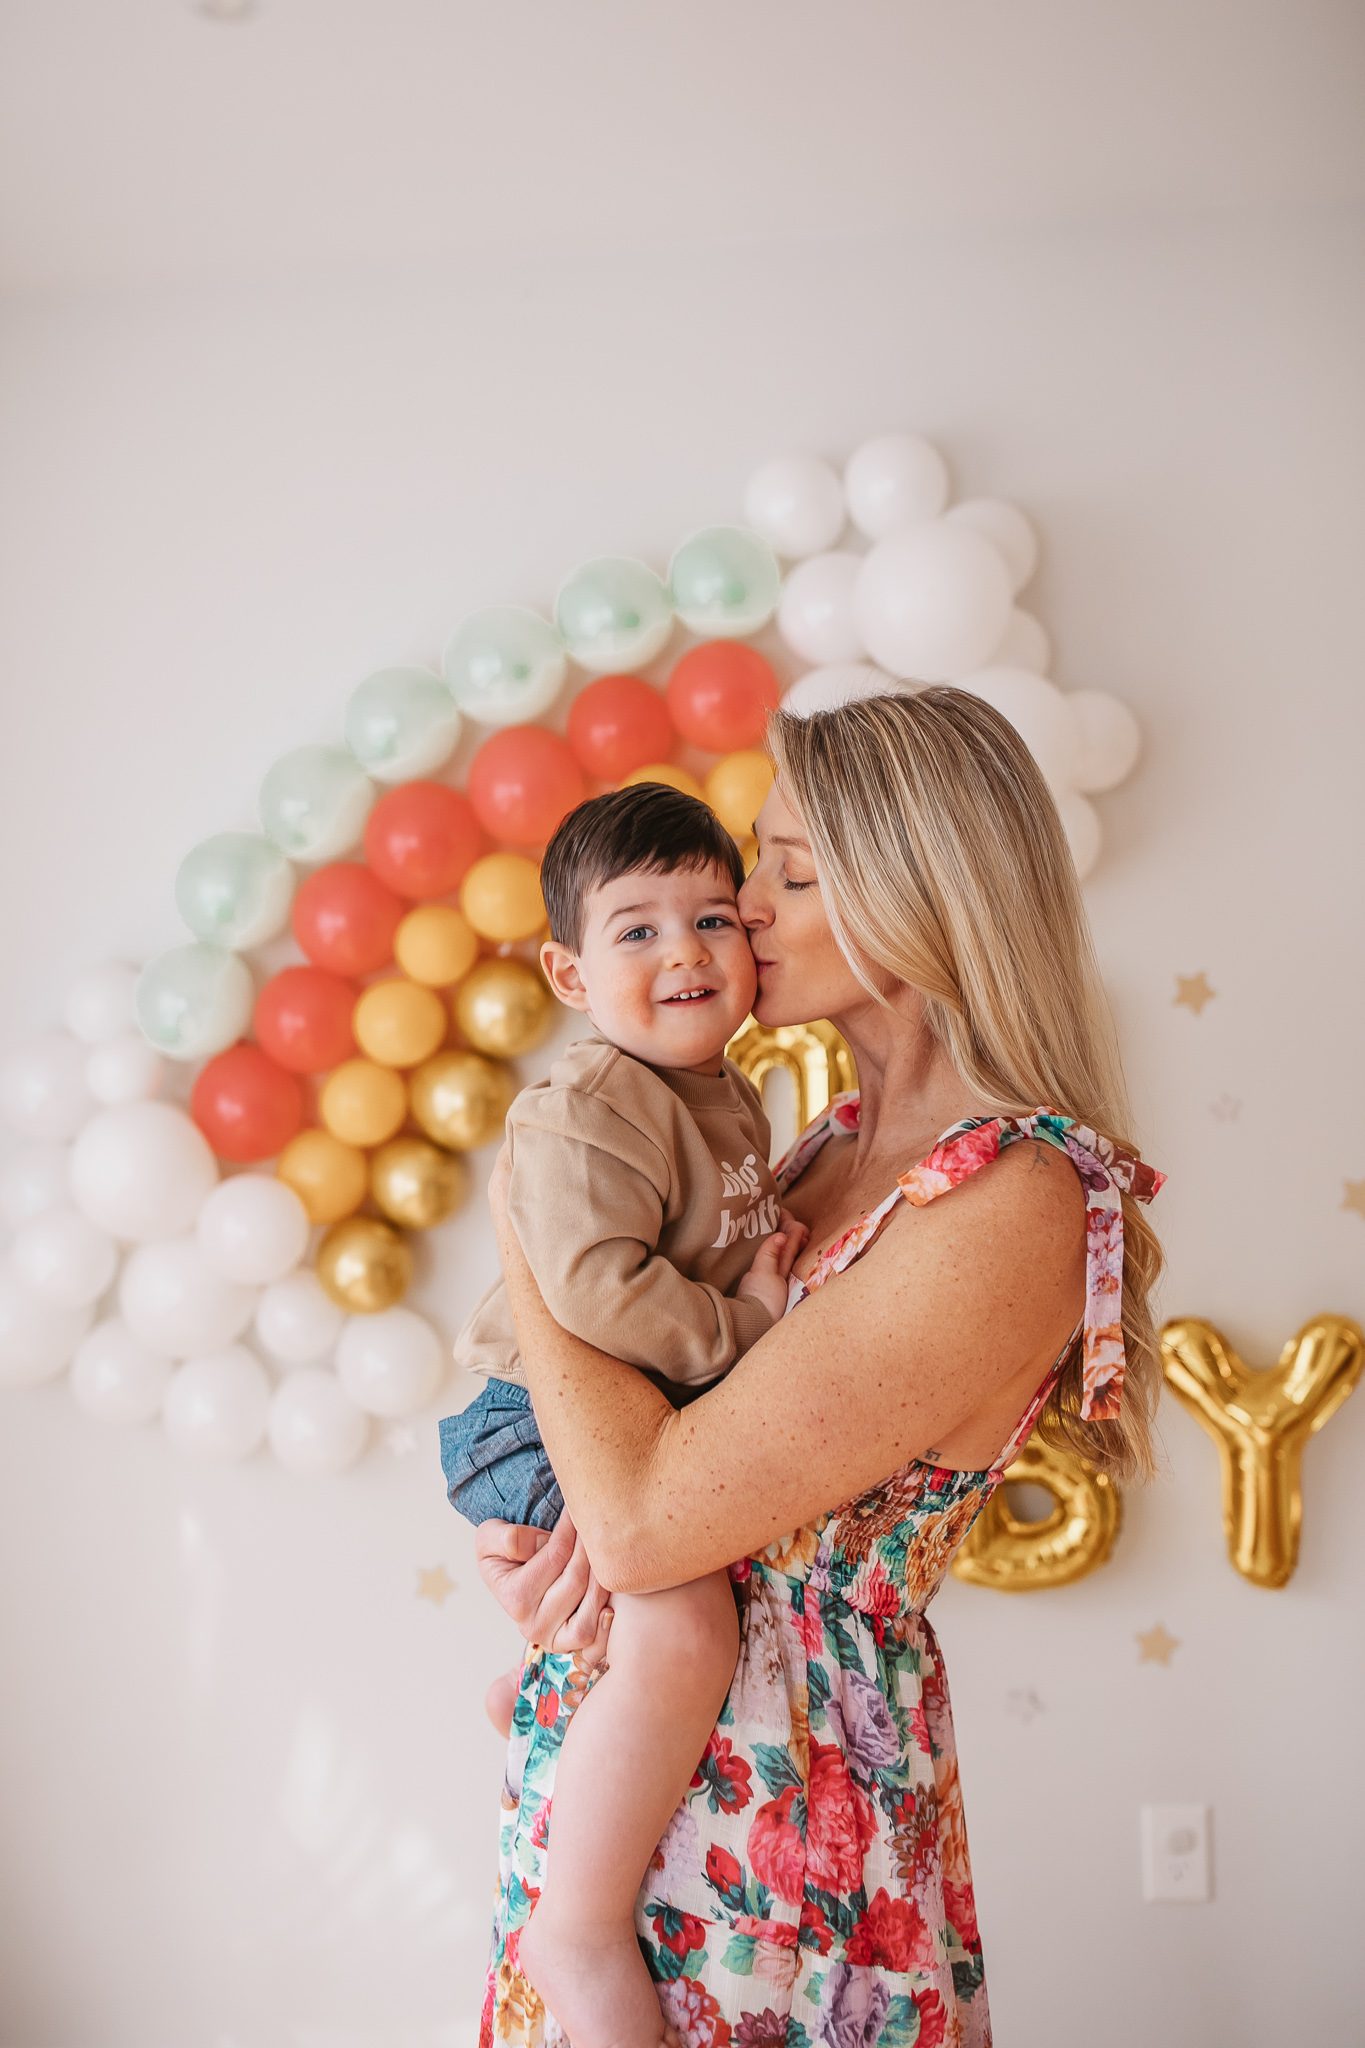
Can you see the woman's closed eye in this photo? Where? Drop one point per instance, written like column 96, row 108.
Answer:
column 790, row 882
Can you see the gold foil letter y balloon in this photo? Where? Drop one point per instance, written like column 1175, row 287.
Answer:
column 1260, row 1422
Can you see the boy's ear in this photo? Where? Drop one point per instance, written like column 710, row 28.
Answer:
column 560, row 969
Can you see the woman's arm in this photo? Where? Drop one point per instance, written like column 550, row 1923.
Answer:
column 942, row 1331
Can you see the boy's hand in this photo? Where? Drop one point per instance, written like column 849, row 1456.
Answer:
column 766, row 1279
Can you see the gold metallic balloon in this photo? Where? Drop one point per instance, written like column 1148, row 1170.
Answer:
column 671, row 777
column 365, row 1265
column 736, row 789
column 398, row 1023
column 461, row 1100
column 501, row 897
column 328, row 1176
column 815, row 1056
column 504, row 1008
column 362, row 1103
column 1260, row 1422
column 435, row 945
column 416, row 1184
column 1013, row 1556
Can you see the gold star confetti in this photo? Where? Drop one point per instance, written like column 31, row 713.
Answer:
column 1354, row 1197
column 1155, row 1646
column 435, row 1585
column 1192, row 991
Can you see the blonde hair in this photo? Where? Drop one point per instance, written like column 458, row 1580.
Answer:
column 943, row 864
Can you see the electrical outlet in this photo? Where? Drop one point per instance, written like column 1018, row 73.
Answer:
column 1175, row 1855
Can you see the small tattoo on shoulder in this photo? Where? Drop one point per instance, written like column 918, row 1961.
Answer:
column 1039, row 1156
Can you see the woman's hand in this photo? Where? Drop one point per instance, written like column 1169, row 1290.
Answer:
column 544, row 1581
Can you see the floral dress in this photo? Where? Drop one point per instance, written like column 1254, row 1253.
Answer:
column 814, row 1886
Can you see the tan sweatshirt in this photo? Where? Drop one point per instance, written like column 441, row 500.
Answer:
column 640, row 1195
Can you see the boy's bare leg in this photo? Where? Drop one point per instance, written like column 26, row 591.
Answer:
column 628, row 1758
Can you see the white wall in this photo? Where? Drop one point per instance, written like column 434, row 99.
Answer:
column 249, row 1800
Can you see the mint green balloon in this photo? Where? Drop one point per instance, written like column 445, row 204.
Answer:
column 505, row 665
column 194, row 1001
column 725, row 582
column 314, row 802
column 235, row 890
column 401, row 723
column 613, row 614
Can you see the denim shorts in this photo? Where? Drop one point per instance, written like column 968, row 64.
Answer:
column 495, row 1464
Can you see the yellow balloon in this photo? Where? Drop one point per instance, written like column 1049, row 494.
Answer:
column 504, row 1008
column 435, row 945
column 461, row 1099
column 416, row 1183
column 328, row 1176
column 365, row 1265
column 399, row 1023
column 501, row 897
column 673, row 778
column 361, row 1103
column 748, row 853
column 735, row 790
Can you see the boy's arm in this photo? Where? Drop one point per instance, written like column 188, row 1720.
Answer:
column 588, row 1206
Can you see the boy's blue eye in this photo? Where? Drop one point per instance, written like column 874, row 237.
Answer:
column 715, row 921
column 637, row 931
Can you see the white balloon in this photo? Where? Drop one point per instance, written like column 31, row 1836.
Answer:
column 825, row 689
column 894, row 482
column 1039, row 713
column 1084, row 833
column 142, row 1171
column 217, row 1406
column 932, row 602
column 42, row 1087
column 1111, row 740
column 391, row 1363
column 297, row 1321
column 315, row 1426
column 65, row 1258
column 174, row 1302
column 116, row 1379
column 37, row 1340
column 126, row 1069
column 99, row 1003
column 1023, row 644
column 815, row 610
column 33, row 1181
column 797, row 504
column 1006, row 528
column 253, row 1229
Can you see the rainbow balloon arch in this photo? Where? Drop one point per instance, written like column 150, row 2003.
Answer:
column 362, row 971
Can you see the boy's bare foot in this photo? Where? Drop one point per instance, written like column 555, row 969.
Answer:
column 499, row 1702
column 593, row 1979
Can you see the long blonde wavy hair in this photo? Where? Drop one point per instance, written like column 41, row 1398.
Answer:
column 943, row 864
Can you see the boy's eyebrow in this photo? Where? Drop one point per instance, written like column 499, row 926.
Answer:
column 632, row 909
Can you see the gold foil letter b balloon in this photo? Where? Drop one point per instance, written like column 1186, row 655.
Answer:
column 1011, row 1556
column 1260, row 1422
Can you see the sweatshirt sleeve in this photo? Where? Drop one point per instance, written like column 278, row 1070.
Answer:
column 587, row 1200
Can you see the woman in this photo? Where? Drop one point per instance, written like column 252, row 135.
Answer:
column 914, row 886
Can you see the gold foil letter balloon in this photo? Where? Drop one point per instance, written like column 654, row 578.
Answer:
column 417, row 1184
column 365, row 1265
column 1012, row 1556
column 815, row 1056
column 1260, row 1422
column 504, row 1008
column 461, row 1100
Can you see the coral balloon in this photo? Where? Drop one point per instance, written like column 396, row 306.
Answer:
column 303, row 1019
column 504, row 1008
column 720, row 695
column 345, row 918
column 399, row 1023
column 522, row 782
column 246, row 1106
column 461, row 1100
column 736, row 788
column 616, row 724
column 436, row 945
column 363, row 1104
column 365, row 1265
column 417, row 1184
column 671, row 778
column 501, row 897
column 421, row 839
column 328, row 1176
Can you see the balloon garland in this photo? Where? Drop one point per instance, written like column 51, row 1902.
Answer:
column 150, row 1239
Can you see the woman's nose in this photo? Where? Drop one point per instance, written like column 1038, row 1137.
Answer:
column 754, row 913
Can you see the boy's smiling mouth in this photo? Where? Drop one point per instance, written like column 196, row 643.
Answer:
column 690, row 995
